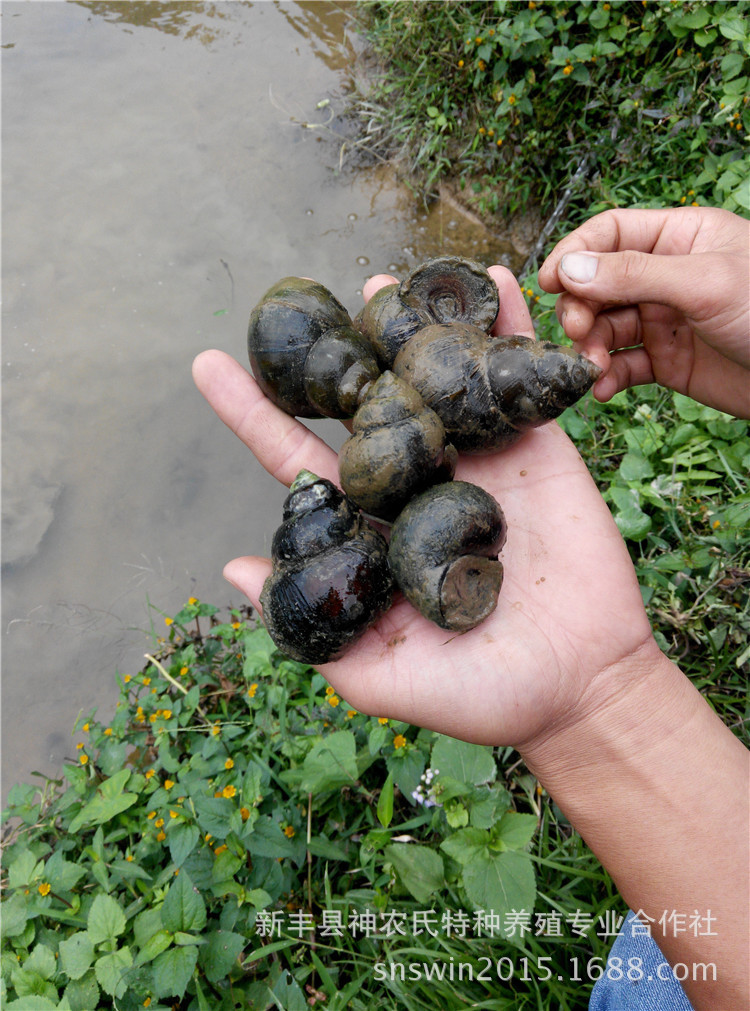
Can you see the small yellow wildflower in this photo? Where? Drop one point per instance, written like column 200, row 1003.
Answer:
column 150, row 774
column 45, row 888
column 173, row 814
column 329, row 690
column 168, row 784
column 146, row 1002
column 147, row 681
column 289, row 831
column 159, row 822
column 382, row 720
column 229, row 764
column 244, row 813
column 220, row 849
column 153, row 718
column 108, row 732
column 500, row 142
column 252, row 690
column 151, row 815
column 183, row 671
column 85, row 728
column 215, row 730
column 79, row 745
column 169, row 621
column 567, row 69
column 351, row 713
column 482, row 131
column 207, row 837
column 333, row 700
column 236, row 625
column 139, row 712
column 478, row 40
column 83, row 759
column 229, row 791
column 127, row 679
column 511, row 99
column 130, row 858
column 166, row 714
column 716, row 524
column 399, row 741
column 482, row 65
column 161, row 836
column 460, row 64
column 193, row 600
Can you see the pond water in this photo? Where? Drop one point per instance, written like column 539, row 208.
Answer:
column 163, row 165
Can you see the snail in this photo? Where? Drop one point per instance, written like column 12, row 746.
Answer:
column 305, row 353
column 489, row 390
column 443, row 554
column 446, row 289
column 330, row 580
column 397, row 449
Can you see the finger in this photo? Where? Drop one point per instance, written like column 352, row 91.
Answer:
column 282, row 445
column 513, row 315
column 375, row 283
column 608, row 232
column 631, row 367
column 248, row 575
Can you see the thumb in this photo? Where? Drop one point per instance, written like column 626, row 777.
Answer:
column 629, row 277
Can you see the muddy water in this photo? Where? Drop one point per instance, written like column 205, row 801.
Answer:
column 163, row 164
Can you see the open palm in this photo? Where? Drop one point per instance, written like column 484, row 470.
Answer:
column 569, row 608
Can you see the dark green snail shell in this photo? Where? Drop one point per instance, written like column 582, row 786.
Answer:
column 445, row 289
column 330, row 580
column 488, row 391
column 443, row 554
column 396, row 450
column 305, row 353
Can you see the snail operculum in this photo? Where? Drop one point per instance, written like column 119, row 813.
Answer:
column 330, row 580
column 305, row 352
column 397, row 449
column 445, row 289
column 443, row 554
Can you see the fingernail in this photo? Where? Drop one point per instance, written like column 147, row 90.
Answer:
column 580, row 267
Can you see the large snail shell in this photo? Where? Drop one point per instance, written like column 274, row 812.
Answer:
column 446, row 289
column 489, row 390
column 305, row 353
column 397, row 449
column 443, row 554
column 330, row 580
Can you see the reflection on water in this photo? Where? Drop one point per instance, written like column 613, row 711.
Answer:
column 161, row 181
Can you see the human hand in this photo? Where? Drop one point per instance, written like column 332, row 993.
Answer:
column 569, row 610
column 667, row 301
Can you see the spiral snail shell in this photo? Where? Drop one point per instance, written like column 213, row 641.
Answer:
column 330, row 580
column 488, row 391
column 443, row 554
column 445, row 289
column 396, row 450
column 305, row 353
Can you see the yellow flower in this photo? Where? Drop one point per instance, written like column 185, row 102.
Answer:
column 159, row 822
column 350, row 713
column 173, row 814
column 169, row 621
column 83, row 759
column 161, row 836
column 482, row 65
column 220, row 849
column 478, row 40
column 229, row 791
column 127, row 679
column 333, row 700
column 568, row 69
column 130, row 858
column 511, row 99
column 482, row 130
column 147, row 681
column 252, row 690
column 716, row 524
column 45, row 888
column 244, row 813
column 166, row 714
column 329, row 690
column 207, row 837
column 150, row 774
column 108, row 732
column 153, row 718
column 382, row 720
column 193, row 600
column 151, row 815
column 460, row 64
column 229, row 764
column 85, row 728
column 399, row 741
column 500, row 142
column 146, row 1002
column 289, row 831
column 236, row 625
column 183, row 671
column 168, row 784
column 79, row 745
column 216, row 730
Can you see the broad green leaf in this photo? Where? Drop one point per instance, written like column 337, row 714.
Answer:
column 109, row 801
column 42, row 961
column 13, row 915
column 172, row 971
column 385, row 802
column 515, row 830
column 106, row 921
column 377, row 738
column 24, row 870
column 501, row 882
column 220, row 953
column 631, row 520
column 62, row 872
column 32, row 1003
column 155, row 945
column 77, row 954
column 214, row 816
column 287, row 991
column 181, row 840
column 634, row 467
column 419, row 868
column 83, row 994
column 406, row 766
column 267, row 839
column 184, row 908
column 468, row 763
column 329, row 765
column 110, row 969
column 327, row 848
column 466, row 845
column 29, row 984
